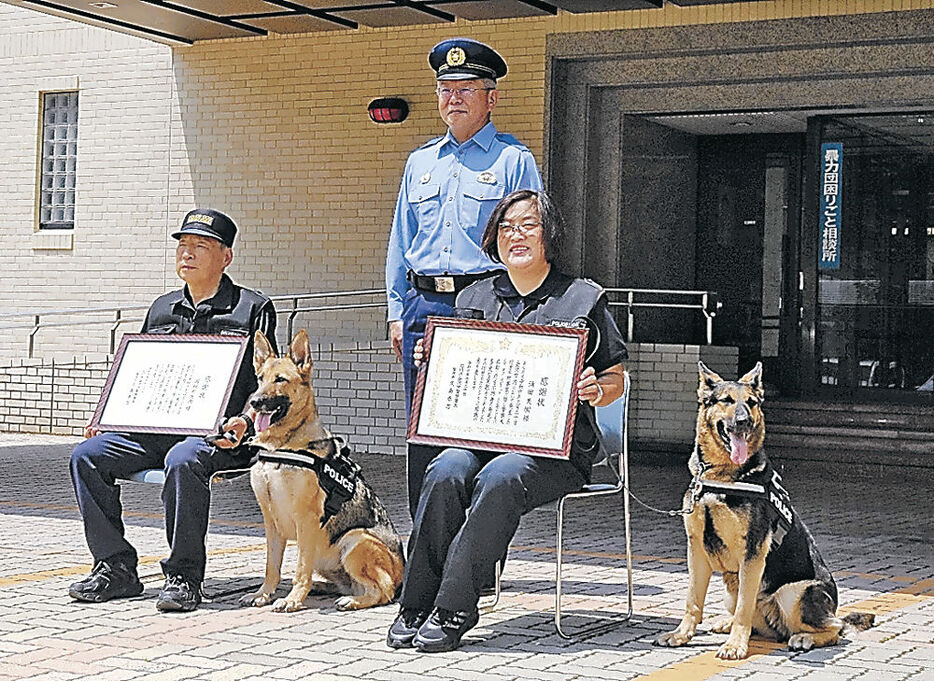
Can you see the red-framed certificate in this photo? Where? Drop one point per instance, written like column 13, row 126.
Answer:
column 498, row 386
column 168, row 383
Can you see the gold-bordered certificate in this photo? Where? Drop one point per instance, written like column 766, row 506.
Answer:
column 498, row 386
column 168, row 383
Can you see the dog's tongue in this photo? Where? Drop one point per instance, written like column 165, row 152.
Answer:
column 739, row 452
column 262, row 421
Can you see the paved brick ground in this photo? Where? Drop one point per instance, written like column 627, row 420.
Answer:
column 874, row 527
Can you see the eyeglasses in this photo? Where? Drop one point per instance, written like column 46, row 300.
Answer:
column 526, row 228
column 445, row 93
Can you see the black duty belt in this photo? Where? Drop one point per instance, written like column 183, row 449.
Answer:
column 446, row 283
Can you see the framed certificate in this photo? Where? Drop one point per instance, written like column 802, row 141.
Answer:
column 498, row 386
column 166, row 383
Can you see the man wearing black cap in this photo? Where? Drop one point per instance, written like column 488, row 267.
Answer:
column 450, row 186
column 209, row 303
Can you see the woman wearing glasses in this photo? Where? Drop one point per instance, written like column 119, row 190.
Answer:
column 471, row 501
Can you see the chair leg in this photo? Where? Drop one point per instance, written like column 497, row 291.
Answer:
column 628, row 540
column 217, row 478
column 487, row 607
column 603, row 623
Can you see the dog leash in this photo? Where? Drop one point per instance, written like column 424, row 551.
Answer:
column 697, row 490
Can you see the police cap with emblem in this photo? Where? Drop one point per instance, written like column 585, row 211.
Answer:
column 209, row 223
column 465, row 59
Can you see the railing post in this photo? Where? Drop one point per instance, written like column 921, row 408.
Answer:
column 630, row 320
column 113, row 331
column 288, row 335
column 708, row 318
column 32, row 336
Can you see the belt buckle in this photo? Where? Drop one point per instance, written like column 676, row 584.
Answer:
column 444, row 284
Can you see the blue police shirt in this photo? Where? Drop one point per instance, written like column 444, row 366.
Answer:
column 447, row 195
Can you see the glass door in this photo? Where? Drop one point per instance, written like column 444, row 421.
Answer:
column 875, row 256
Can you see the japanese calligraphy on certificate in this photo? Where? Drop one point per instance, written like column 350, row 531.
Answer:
column 498, row 386
column 177, row 384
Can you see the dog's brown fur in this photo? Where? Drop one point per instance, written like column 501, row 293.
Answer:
column 781, row 591
column 364, row 562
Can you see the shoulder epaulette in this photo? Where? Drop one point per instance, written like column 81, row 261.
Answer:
column 512, row 141
column 592, row 283
column 433, row 140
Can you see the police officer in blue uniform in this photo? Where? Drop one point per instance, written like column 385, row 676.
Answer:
column 471, row 500
column 209, row 303
column 449, row 188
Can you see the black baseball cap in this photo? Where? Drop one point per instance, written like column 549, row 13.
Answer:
column 465, row 59
column 210, row 223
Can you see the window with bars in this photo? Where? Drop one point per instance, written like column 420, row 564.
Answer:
column 59, row 159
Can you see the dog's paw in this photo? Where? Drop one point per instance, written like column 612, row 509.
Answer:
column 802, row 641
column 721, row 624
column 733, row 650
column 257, row 600
column 673, row 639
column 286, row 605
column 347, row 603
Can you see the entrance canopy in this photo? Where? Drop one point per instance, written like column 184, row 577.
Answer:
column 188, row 21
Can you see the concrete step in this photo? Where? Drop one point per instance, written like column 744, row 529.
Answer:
column 860, row 416
column 878, row 444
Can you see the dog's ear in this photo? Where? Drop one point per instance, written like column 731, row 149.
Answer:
column 708, row 380
column 754, row 379
column 300, row 352
column 262, row 350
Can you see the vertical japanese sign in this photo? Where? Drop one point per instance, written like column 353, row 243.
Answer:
column 831, row 205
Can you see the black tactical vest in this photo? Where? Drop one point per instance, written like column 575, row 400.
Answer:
column 560, row 301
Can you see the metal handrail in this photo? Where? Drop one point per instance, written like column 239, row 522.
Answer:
column 115, row 315
column 708, row 303
column 295, row 309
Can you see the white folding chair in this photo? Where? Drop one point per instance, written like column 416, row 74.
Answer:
column 613, row 421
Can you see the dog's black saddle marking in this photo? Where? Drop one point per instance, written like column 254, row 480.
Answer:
column 763, row 484
column 337, row 472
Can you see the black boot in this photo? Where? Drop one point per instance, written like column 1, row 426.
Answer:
column 180, row 594
column 443, row 629
column 405, row 627
column 107, row 581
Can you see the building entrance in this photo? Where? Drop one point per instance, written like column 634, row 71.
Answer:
column 816, row 230
column 875, row 254
column 737, row 183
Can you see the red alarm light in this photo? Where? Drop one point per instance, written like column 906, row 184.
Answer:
column 388, row 110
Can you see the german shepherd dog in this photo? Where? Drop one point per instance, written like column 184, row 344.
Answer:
column 777, row 584
column 356, row 550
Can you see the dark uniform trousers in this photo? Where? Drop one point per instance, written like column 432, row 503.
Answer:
column 417, row 306
column 451, row 556
column 186, row 495
column 188, row 462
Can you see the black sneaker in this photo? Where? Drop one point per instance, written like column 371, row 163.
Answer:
column 107, row 581
column 405, row 627
column 443, row 629
column 180, row 594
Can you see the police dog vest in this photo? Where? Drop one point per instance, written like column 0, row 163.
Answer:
column 768, row 486
column 337, row 472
